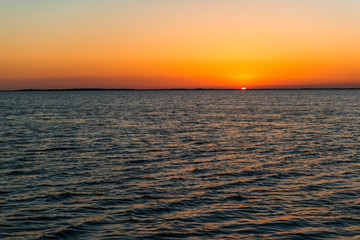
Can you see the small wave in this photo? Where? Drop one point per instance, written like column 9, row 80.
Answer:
column 60, row 149
column 24, row 172
column 62, row 196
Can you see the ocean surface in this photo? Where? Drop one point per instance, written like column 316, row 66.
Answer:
column 254, row 164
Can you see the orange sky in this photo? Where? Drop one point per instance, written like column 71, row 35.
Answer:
column 179, row 44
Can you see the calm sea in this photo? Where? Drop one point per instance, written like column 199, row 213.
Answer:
column 272, row 164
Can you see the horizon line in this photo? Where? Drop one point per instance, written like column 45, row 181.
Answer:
column 174, row 89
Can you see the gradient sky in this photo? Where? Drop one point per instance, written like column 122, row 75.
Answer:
column 179, row 43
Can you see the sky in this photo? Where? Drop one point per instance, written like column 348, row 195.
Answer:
column 147, row 44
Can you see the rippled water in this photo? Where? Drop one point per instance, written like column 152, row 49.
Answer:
column 180, row 164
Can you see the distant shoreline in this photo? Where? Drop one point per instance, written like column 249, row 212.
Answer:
column 173, row 89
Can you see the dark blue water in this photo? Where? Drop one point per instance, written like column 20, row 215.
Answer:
column 180, row 164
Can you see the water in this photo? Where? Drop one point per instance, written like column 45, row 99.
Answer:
column 180, row 164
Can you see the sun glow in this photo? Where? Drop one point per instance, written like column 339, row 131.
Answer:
column 243, row 88
column 181, row 44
